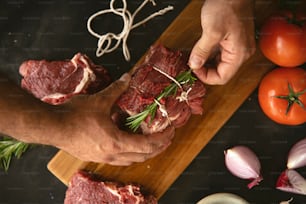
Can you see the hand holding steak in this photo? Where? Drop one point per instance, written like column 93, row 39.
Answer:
column 55, row 82
column 82, row 128
column 147, row 84
column 94, row 136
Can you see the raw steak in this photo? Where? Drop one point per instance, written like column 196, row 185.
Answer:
column 86, row 188
column 55, row 82
column 147, row 83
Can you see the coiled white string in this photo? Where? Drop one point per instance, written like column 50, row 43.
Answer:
column 105, row 41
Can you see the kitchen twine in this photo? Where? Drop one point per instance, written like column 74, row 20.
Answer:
column 181, row 98
column 105, row 41
column 184, row 94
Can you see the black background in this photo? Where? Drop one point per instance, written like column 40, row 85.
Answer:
column 56, row 30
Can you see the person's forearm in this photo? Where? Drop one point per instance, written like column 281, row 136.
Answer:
column 26, row 118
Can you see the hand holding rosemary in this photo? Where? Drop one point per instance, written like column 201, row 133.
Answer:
column 134, row 121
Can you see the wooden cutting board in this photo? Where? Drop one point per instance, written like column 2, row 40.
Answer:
column 157, row 174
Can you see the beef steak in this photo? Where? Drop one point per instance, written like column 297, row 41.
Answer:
column 55, row 82
column 87, row 188
column 147, row 83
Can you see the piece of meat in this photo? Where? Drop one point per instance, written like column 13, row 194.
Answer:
column 87, row 188
column 147, row 84
column 55, row 82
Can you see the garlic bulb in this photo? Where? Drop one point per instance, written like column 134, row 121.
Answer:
column 297, row 155
column 243, row 163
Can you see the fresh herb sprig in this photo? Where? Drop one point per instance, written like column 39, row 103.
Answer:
column 133, row 122
column 10, row 147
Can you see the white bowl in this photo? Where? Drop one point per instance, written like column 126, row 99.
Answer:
column 222, row 198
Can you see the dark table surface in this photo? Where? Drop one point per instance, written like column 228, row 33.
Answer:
column 55, row 30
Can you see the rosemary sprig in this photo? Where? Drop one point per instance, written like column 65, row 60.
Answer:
column 133, row 122
column 8, row 148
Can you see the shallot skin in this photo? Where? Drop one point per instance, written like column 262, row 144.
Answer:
column 297, row 155
column 243, row 163
column 291, row 181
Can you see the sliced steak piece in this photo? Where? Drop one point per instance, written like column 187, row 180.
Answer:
column 147, row 83
column 55, row 82
column 87, row 188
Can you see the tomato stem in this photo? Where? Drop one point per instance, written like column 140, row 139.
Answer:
column 292, row 97
column 295, row 21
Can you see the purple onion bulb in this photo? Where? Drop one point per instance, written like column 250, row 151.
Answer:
column 243, row 163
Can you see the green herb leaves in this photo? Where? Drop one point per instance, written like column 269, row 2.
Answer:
column 133, row 122
column 8, row 148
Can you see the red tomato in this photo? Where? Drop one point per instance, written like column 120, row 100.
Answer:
column 282, row 95
column 283, row 39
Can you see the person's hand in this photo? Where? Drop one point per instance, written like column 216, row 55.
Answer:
column 91, row 135
column 228, row 36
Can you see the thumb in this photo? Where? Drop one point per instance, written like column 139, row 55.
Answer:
column 113, row 91
column 201, row 51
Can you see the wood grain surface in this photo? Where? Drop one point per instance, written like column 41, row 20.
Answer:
column 156, row 175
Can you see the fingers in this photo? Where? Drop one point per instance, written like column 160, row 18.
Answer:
column 226, row 68
column 138, row 148
column 232, row 31
column 234, row 51
column 218, row 76
column 128, row 158
column 146, row 144
column 202, row 50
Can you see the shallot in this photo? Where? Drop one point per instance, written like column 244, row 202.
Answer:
column 297, row 155
column 243, row 163
column 291, row 181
